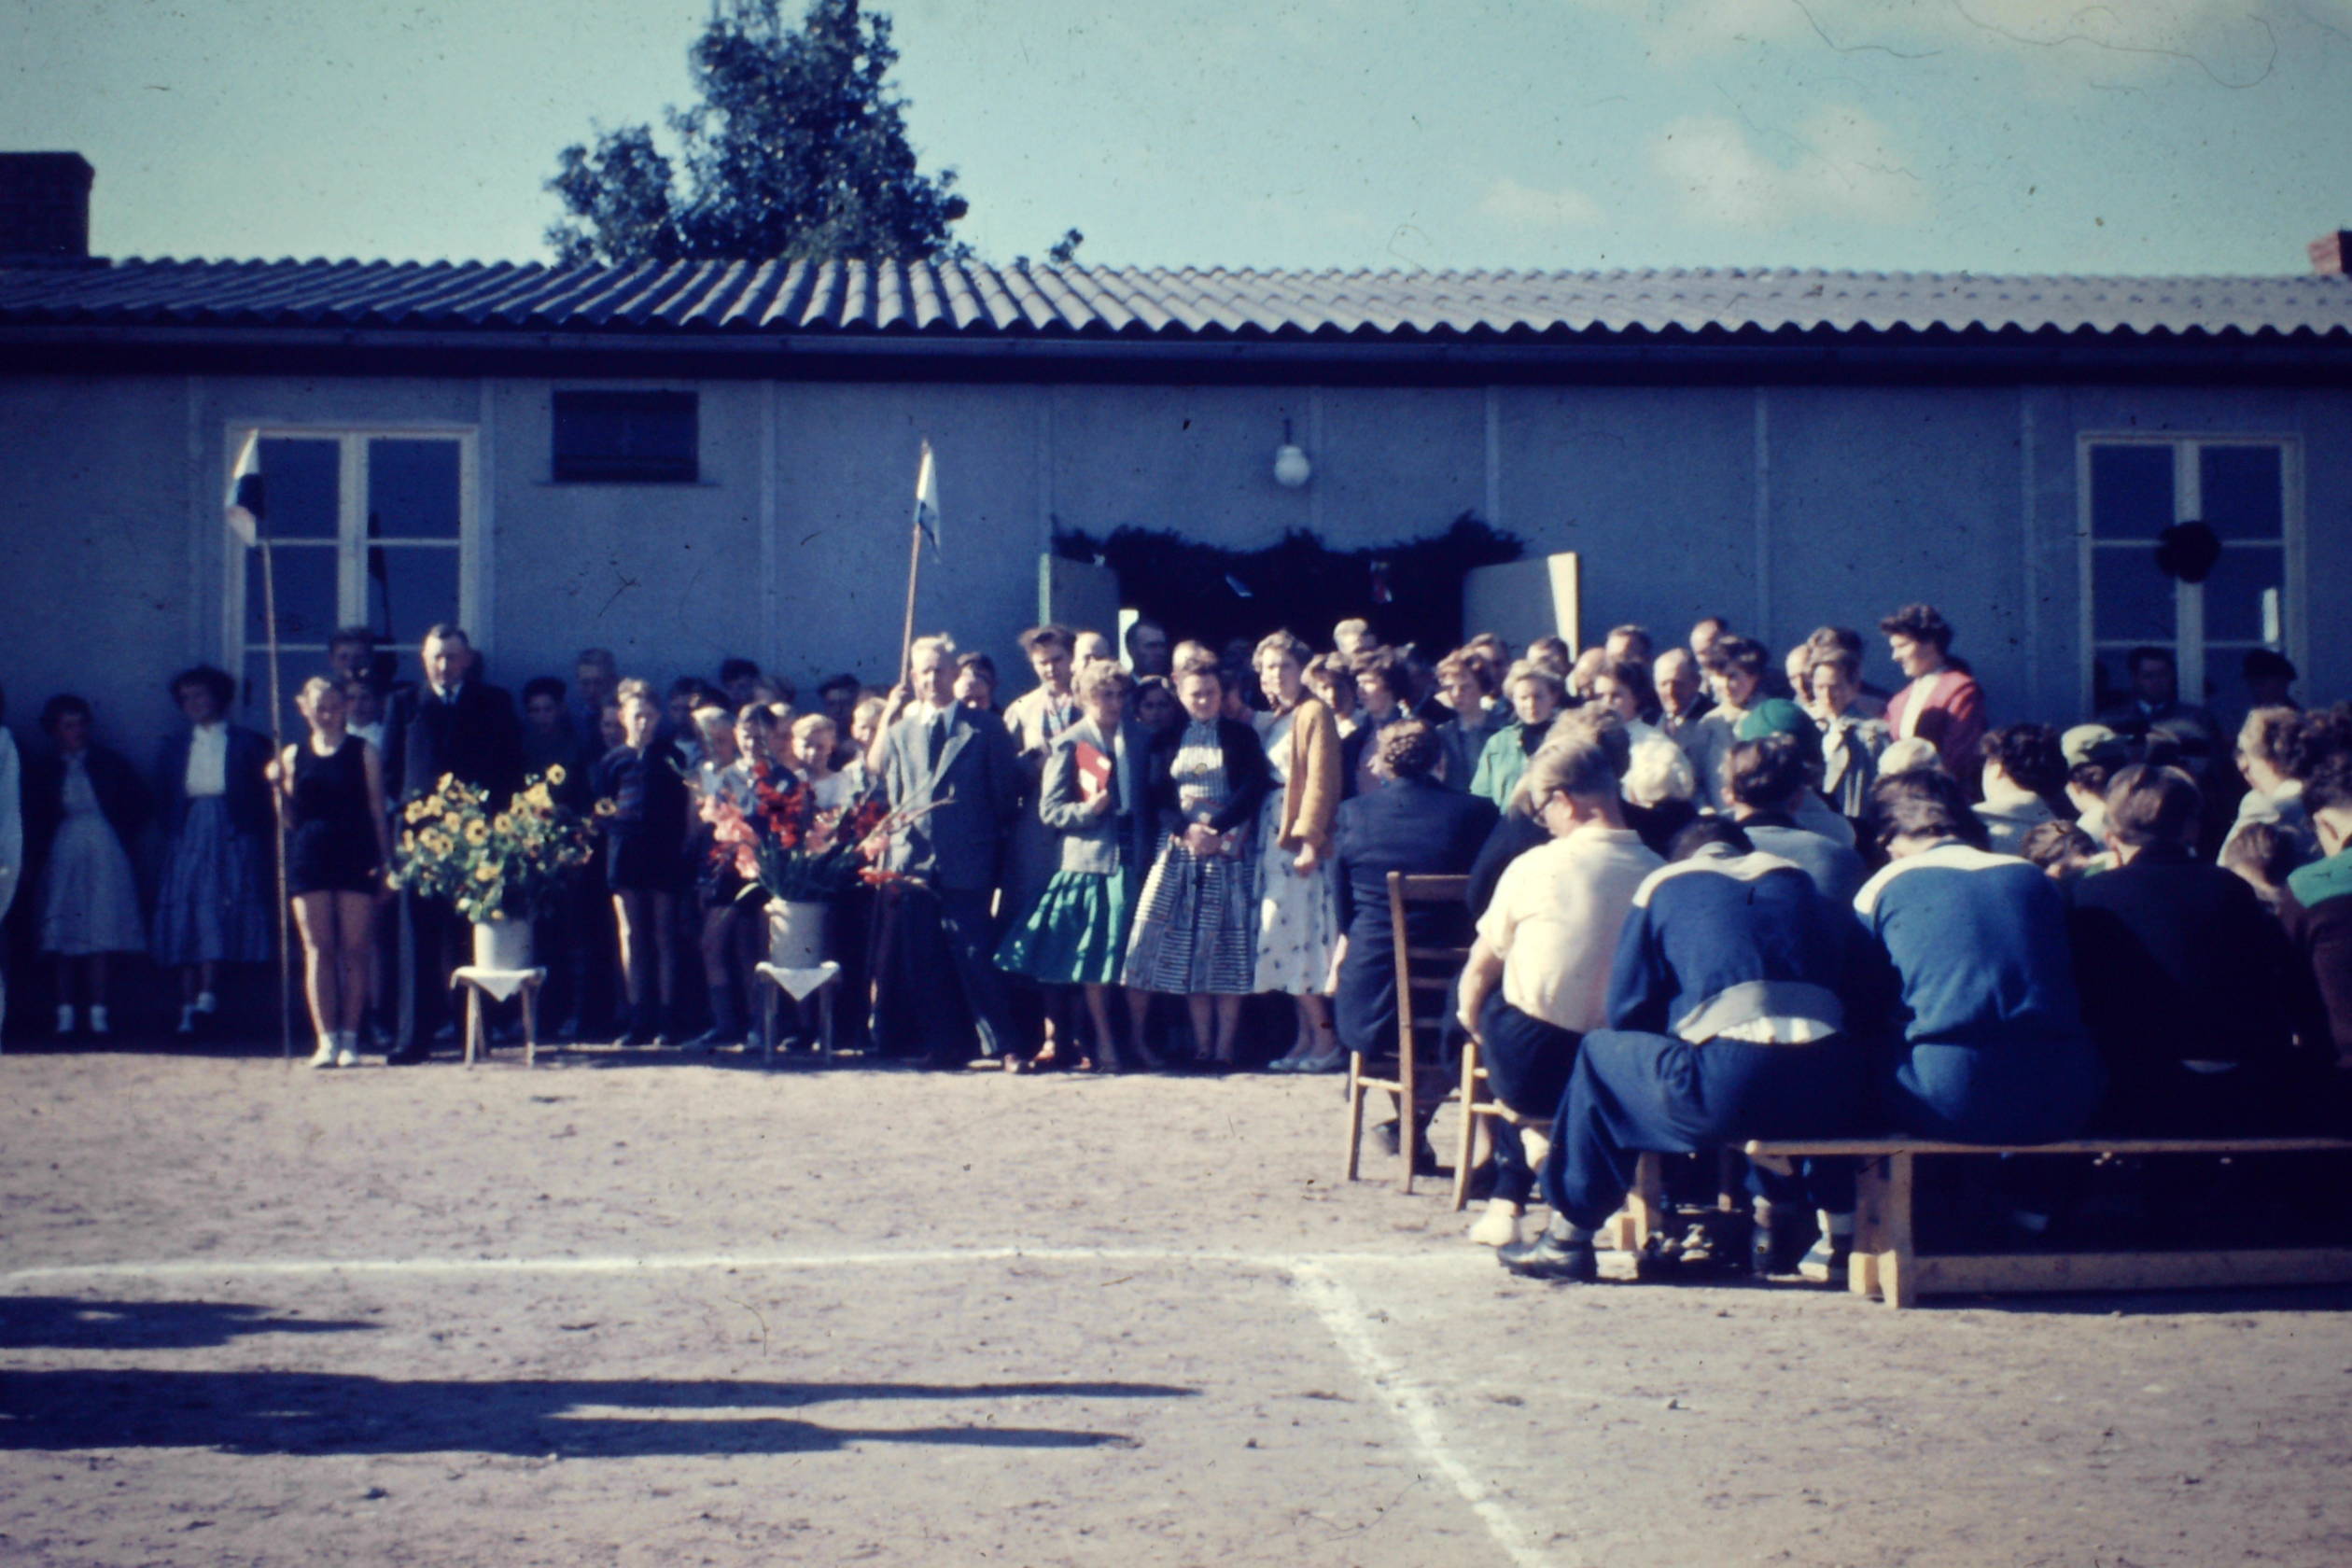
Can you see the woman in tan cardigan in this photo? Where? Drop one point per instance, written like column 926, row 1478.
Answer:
column 1298, row 917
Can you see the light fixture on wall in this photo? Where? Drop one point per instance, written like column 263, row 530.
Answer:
column 1291, row 468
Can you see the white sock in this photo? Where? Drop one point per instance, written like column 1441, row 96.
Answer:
column 328, row 1042
column 64, row 1018
column 206, row 1004
column 1837, row 1224
column 98, row 1017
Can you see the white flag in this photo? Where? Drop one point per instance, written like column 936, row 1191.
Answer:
column 926, row 501
column 244, row 506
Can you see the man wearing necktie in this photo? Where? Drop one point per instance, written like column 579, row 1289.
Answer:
column 451, row 724
column 938, row 994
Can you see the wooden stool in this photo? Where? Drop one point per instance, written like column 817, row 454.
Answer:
column 800, row 985
column 497, row 985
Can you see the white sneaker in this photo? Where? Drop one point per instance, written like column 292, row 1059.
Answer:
column 347, row 1053
column 187, row 1020
column 1499, row 1226
column 325, row 1055
column 98, row 1021
column 66, row 1017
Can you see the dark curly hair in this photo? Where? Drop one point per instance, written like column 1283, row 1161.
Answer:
column 1921, row 622
column 1409, row 748
column 2318, row 751
column 2030, row 755
column 213, row 679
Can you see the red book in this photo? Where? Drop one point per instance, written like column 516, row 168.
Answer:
column 1094, row 771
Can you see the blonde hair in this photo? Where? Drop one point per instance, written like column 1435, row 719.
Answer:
column 634, row 690
column 808, row 723
column 1096, row 676
column 308, row 696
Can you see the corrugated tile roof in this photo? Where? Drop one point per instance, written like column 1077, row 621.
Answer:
column 969, row 299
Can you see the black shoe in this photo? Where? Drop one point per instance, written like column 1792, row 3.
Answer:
column 1781, row 1243
column 412, row 1057
column 1552, row 1256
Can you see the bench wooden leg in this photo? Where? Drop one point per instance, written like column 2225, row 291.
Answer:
column 1897, row 1279
column 1647, row 1203
column 1870, row 1205
column 530, row 1023
column 767, row 1022
column 473, row 1023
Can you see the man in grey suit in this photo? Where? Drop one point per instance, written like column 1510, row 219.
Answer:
column 938, row 989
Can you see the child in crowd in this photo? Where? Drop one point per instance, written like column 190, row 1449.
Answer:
column 642, row 797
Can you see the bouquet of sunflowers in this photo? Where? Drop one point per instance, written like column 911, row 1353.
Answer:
column 491, row 865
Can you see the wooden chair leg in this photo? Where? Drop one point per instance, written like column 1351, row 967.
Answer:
column 530, row 1023
column 825, row 1018
column 1408, row 1132
column 1465, row 1146
column 1355, row 1114
column 767, row 1021
column 473, row 1023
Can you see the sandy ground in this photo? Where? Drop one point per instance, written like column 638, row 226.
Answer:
column 629, row 1309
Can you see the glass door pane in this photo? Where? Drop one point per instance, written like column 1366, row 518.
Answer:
column 302, row 484
column 2131, row 492
column 2242, row 491
column 413, row 488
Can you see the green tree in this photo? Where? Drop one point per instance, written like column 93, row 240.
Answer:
column 797, row 148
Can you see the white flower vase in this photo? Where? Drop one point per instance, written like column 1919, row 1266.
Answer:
column 796, row 934
column 502, row 945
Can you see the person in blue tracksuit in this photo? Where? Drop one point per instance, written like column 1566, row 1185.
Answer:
column 1728, row 1020
column 1988, row 1044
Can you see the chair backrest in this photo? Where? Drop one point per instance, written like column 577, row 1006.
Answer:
column 1425, row 974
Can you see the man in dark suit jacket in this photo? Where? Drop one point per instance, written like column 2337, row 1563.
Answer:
column 449, row 724
column 938, row 987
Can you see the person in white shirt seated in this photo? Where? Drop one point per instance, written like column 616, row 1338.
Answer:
column 2271, row 796
column 1537, row 978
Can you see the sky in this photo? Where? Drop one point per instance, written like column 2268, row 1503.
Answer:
column 2134, row 136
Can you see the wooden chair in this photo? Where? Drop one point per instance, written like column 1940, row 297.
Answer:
column 1425, row 991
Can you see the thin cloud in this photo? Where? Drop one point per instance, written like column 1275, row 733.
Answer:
column 2233, row 43
column 1847, row 169
column 1524, row 206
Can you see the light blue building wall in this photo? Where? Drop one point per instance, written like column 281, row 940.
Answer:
column 1781, row 506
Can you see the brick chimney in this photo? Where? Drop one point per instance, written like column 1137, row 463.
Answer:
column 44, row 208
column 2331, row 253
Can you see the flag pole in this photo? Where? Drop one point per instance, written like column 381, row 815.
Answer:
column 277, row 750
column 914, row 570
column 244, row 512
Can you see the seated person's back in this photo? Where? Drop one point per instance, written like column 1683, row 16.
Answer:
column 2185, row 977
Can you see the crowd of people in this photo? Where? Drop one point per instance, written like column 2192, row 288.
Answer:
column 1715, row 894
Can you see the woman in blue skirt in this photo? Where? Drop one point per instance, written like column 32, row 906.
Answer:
column 1092, row 798
column 213, row 906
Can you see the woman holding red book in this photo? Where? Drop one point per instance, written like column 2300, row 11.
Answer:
column 1092, row 799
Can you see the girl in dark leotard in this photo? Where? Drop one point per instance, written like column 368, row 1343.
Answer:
column 337, row 849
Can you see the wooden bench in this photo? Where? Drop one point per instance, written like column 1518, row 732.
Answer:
column 1887, row 1263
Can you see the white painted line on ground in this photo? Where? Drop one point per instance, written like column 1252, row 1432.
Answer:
column 1343, row 1314
column 928, row 1257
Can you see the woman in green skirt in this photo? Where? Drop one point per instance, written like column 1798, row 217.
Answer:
column 1092, row 796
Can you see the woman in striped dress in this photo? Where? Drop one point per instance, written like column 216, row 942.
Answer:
column 1194, row 928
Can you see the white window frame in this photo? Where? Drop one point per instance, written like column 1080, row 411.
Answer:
column 2189, row 644
column 350, row 533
